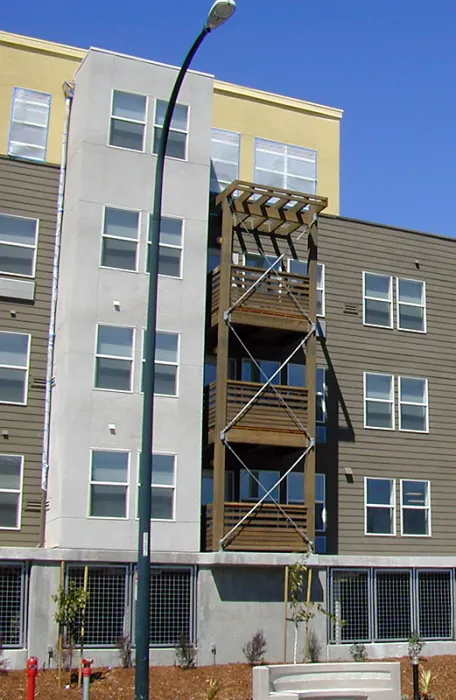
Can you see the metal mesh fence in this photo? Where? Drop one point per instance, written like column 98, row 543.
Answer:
column 393, row 605
column 106, row 607
column 435, row 603
column 171, row 598
column 11, row 604
column 350, row 606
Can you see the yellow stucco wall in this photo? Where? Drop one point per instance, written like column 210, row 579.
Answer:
column 35, row 65
column 254, row 113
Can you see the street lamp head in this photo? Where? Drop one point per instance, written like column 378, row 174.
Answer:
column 220, row 12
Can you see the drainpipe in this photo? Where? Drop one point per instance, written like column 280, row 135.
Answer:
column 68, row 89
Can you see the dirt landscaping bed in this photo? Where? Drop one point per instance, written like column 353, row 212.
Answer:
column 175, row 684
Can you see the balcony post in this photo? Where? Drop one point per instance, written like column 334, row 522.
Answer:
column 222, row 377
column 311, row 374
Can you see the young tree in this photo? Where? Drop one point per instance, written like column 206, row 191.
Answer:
column 303, row 608
column 71, row 603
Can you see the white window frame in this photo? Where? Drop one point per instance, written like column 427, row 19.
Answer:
column 22, row 367
column 323, row 425
column 42, row 149
column 168, row 245
column 109, row 483
column 380, row 505
column 228, row 162
column 286, row 174
column 19, row 491
column 390, row 401
column 22, row 245
column 131, row 121
column 119, row 238
column 320, row 288
column 160, row 486
column 178, row 131
column 115, row 357
column 426, row 507
column 413, row 403
column 160, row 362
column 423, row 305
column 371, row 298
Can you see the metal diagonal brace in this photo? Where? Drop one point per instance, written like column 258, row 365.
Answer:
column 254, row 398
column 251, row 289
column 268, row 493
column 276, row 392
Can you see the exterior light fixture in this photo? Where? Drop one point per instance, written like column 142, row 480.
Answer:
column 220, row 12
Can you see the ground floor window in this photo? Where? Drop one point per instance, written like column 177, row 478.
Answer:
column 385, row 605
column 110, row 612
column 171, row 600
column 12, row 604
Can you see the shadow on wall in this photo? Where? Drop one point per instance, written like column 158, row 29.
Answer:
column 249, row 584
column 255, row 585
column 328, row 453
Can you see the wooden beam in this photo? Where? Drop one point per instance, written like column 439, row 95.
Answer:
column 222, row 375
column 311, row 374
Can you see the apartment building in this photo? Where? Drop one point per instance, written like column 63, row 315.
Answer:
column 302, row 381
column 32, row 106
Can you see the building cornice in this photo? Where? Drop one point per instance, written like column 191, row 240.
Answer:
column 41, row 46
column 275, row 100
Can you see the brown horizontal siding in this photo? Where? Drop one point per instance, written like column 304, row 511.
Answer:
column 28, row 189
column 348, row 248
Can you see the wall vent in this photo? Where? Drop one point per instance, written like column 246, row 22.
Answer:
column 39, row 383
column 351, row 309
column 33, row 506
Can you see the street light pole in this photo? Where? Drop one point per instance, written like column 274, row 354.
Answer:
column 219, row 13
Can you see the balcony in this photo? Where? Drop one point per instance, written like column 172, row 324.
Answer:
column 278, row 301
column 267, row 420
column 265, row 530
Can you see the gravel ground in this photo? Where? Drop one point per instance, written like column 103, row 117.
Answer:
column 174, row 684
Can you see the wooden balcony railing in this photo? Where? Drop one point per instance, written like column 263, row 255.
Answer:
column 266, row 530
column 278, row 301
column 267, row 420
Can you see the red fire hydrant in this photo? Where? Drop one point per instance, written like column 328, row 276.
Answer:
column 86, row 671
column 32, row 672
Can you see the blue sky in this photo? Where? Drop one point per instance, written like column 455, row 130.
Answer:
column 390, row 64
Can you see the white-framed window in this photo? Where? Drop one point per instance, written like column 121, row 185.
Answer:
column 109, row 477
column 299, row 267
column 120, row 239
column 114, row 358
column 415, row 508
column 166, row 362
column 283, row 165
column 178, row 133
column 18, row 240
column 29, row 124
column 171, row 246
column 11, row 476
column 14, row 367
column 253, row 488
column 224, row 158
column 411, row 305
column 296, row 495
column 128, row 120
column 322, row 416
column 163, row 486
column 413, row 404
column 377, row 300
column 379, row 506
column 379, row 401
